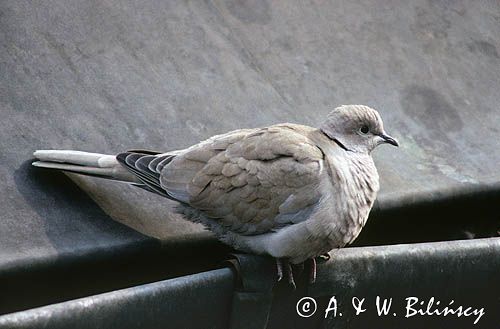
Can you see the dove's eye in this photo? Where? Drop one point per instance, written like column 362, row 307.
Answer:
column 364, row 129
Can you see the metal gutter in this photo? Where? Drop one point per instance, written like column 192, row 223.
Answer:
column 464, row 271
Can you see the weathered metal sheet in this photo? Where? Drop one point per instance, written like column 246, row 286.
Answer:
column 108, row 76
column 112, row 75
column 198, row 301
column 465, row 272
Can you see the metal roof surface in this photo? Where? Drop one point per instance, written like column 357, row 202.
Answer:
column 115, row 75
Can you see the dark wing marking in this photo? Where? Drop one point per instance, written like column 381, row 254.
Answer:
column 146, row 165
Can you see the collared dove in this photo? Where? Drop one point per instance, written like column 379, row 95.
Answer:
column 290, row 191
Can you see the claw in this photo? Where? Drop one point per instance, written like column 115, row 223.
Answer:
column 289, row 273
column 325, row 257
column 279, row 269
column 283, row 267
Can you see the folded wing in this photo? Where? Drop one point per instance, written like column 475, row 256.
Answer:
column 251, row 181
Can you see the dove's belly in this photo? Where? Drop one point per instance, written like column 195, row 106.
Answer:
column 317, row 235
column 312, row 238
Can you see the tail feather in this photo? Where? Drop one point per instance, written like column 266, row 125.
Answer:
column 76, row 157
column 85, row 163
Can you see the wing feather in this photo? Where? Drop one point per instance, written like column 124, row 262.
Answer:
column 246, row 179
column 139, row 164
column 251, row 180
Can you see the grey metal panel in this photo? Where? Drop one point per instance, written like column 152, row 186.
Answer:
column 33, row 282
column 198, row 301
column 110, row 75
column 464, row 271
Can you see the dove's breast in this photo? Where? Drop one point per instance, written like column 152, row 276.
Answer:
column 349, row 188
column 354, row 186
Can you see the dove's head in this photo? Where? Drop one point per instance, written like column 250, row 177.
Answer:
column 356, row 128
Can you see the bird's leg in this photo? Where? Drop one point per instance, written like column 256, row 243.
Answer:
column 283, row 267
column 279, row 269
column 289, row 273
column 312, row 272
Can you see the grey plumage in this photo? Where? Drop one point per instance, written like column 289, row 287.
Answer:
column 287, row 190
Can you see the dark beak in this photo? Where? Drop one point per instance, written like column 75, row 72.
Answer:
column 389, row 139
